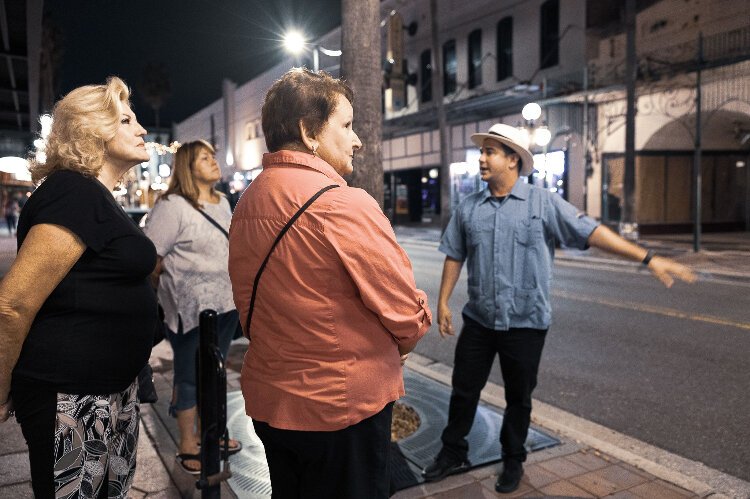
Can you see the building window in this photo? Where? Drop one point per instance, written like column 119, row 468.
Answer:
column 450, row 67
column 505, row 48
column 252, row 130
column 425, row 75
column 475, row 58
column 550, row 32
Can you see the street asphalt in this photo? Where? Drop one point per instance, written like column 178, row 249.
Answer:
column 665, row 366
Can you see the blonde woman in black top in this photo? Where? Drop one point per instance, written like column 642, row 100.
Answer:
column 77, row 313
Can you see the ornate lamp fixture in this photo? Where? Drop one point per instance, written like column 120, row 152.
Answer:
column 533, row 133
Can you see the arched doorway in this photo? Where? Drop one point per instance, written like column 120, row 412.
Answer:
column 664, row 175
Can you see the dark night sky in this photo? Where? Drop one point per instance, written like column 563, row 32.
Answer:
column 200, row 42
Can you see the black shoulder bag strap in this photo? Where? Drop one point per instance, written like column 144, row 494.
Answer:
column 273, row 246
column 214, row 222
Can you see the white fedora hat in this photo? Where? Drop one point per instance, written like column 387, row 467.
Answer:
column 511, row 137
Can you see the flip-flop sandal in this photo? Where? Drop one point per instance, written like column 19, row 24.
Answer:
column 232, row 450
column 181, row 458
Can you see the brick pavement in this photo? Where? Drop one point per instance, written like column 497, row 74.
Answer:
column 572, row 469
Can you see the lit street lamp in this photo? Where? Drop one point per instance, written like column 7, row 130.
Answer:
column 538, row 134
column 15, row 166
column 295, row 43
column 541, row 137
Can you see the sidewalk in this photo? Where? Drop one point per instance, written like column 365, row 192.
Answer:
column 576, row 468
column 592, row 461
column 723, row 255
column 7, row 250
column 573, row 469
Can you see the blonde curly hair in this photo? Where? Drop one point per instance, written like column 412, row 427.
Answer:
column 82, row 123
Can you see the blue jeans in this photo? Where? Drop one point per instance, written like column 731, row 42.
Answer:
column 185, row 346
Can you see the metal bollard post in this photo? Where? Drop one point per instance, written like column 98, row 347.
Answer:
column 212, row 406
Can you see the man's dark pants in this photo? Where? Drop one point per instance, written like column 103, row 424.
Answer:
column 520, row 350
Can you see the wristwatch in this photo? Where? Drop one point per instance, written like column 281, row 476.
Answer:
column 648, row 257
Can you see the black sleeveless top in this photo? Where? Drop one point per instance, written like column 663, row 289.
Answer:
column 94, row 332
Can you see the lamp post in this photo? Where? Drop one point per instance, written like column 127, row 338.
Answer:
column 295, row 43
column 537, row 134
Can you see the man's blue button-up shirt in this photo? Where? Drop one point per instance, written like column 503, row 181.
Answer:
column 508, row 247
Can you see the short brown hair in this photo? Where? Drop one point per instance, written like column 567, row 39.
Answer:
column 299, row 95
column 509, row 151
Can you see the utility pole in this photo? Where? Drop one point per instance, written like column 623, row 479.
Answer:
column 628, row 226
column 360, row 67
column 586, row 142
column 437, row 92
column 697, row 177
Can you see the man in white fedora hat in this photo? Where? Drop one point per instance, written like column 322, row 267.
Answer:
column 507, row 234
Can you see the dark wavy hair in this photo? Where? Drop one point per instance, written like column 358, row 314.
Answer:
column 182, row 182
column 303, row 96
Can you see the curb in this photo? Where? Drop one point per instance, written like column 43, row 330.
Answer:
column 735, row 277
column 691, row 475
column 725, row 272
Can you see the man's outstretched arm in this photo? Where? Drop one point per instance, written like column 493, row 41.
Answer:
column 664, row 269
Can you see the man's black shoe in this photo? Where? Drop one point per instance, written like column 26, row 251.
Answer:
column 442, row 467
column 510, row 478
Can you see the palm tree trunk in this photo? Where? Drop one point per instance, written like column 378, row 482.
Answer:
column 360, row 66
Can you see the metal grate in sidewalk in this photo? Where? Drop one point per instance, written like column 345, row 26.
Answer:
column 429, row 398
column 250, row 478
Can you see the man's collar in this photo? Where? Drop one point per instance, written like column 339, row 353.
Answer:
column 520, row 190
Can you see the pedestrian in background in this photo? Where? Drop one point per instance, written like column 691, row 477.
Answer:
column 77, row 312
column 11, row 214
column 507, row 235
column 336, row 310
column 189, row 226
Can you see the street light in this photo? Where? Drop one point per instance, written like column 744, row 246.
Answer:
column 531, row 111
column 538, row 134
column 295, row 43
column 14, row 165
